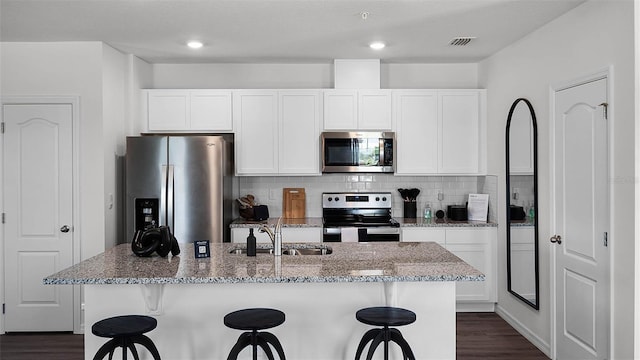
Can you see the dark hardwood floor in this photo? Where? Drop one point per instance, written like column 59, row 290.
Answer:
column 479, row 336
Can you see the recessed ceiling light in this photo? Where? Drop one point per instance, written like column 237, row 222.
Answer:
column 194, row 44
column 377, row 45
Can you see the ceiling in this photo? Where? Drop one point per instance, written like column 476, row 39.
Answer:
column 282, row 31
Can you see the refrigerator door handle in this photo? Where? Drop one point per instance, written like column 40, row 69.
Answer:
column 163, row 198
column 170, row 198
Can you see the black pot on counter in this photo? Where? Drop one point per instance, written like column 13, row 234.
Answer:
column 457, row 212
column 516, row 212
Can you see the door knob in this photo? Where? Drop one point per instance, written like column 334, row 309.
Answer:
column 65, row 228
column 556, row 239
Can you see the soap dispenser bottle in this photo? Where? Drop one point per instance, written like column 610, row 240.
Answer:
column 251, row 243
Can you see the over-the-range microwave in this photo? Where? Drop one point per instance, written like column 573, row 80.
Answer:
column 358, row 152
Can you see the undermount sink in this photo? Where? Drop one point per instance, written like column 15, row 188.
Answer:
column 323, row 250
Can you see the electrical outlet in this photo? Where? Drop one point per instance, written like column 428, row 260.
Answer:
column 440, row 195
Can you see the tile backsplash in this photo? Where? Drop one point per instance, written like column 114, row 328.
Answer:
column 455, row 189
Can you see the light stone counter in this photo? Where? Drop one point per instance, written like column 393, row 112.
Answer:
column 349, row 262
column 311, row 222
column 319, row 294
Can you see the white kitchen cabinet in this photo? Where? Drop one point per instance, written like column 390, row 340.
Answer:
column 357, row 110
column 255, row 114
column 277, row 132
column 416, row 128
column 424, row 234
column 299, row 125
column 459, row 130
column 340, row 110
column 439, row 132
column 189, row 110
column 374, row 110
column 477, row 247
column 289, row 235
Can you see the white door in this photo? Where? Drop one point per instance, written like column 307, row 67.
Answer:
column 581, row 222
column 38, row 225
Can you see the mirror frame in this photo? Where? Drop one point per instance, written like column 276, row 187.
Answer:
column 535, row 305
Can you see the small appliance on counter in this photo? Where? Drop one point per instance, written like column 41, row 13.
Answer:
column 516, row 212
column 457, row 212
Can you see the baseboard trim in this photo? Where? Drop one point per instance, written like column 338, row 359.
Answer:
column 475, row 307
column 524, row 331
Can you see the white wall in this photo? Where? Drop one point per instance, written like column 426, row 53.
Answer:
column 114, row 70
column 589, row 38
column 305, row 76
column 68, row 68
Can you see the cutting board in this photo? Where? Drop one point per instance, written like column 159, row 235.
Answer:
column 294, row 203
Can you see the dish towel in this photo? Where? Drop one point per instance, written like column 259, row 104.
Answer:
column 349, row 234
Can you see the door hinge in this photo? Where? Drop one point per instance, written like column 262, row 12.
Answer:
column 606, row 239
column 3, row 308
column 3, row 218
column 605, row 109
column 2, row 127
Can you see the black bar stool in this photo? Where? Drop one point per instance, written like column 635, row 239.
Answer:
column 385, row 316
column 125, row 331
column 254, row 320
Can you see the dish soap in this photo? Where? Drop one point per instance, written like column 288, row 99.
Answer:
column 251, row 243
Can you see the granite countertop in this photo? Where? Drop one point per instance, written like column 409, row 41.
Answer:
column 317, row 222
column 349, row 262
column 420, row 222
column 290, row 223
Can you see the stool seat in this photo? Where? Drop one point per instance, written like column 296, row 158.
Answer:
column 254, row 319
column 125, row 332
column 386, row 316
column 126, row 325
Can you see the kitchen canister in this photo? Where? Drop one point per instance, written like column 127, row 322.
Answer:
column 410, row 209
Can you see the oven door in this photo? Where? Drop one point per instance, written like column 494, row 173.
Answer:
column 365, row 234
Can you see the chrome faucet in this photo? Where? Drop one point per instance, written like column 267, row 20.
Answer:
column 275, row 236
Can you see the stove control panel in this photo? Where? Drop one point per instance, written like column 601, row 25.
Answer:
column 356, row 200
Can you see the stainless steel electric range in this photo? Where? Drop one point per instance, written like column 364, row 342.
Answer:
column 363, row 217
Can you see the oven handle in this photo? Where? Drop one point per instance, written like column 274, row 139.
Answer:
column 370, row 230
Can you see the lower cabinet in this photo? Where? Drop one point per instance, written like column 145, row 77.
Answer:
column 289, row 234
column 477, row 247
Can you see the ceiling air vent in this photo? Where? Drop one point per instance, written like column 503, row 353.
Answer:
column 461, row 41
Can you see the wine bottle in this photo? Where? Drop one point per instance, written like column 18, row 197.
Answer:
column 251, row 243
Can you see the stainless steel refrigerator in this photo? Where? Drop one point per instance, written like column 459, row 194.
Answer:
column 184, row 182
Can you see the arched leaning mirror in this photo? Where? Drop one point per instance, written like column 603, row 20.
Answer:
column 522, row 203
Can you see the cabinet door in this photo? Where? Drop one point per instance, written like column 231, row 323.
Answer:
column 255, row 114
column 168, row 109
column 299, row 128
column 416, row 127
column 289, row 235
column 422, row 234
column 475, row 247
column 340, row 110
column 374, row 110
column 459, row 127
column 211, row 110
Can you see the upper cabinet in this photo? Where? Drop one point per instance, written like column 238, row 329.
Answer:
column 189, row 110
column 277, row 132
column 357, row 110
column 440, row 131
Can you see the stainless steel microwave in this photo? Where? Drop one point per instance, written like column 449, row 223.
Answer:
column 358, row 152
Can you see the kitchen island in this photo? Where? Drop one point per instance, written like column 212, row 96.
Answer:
column 318, row 293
